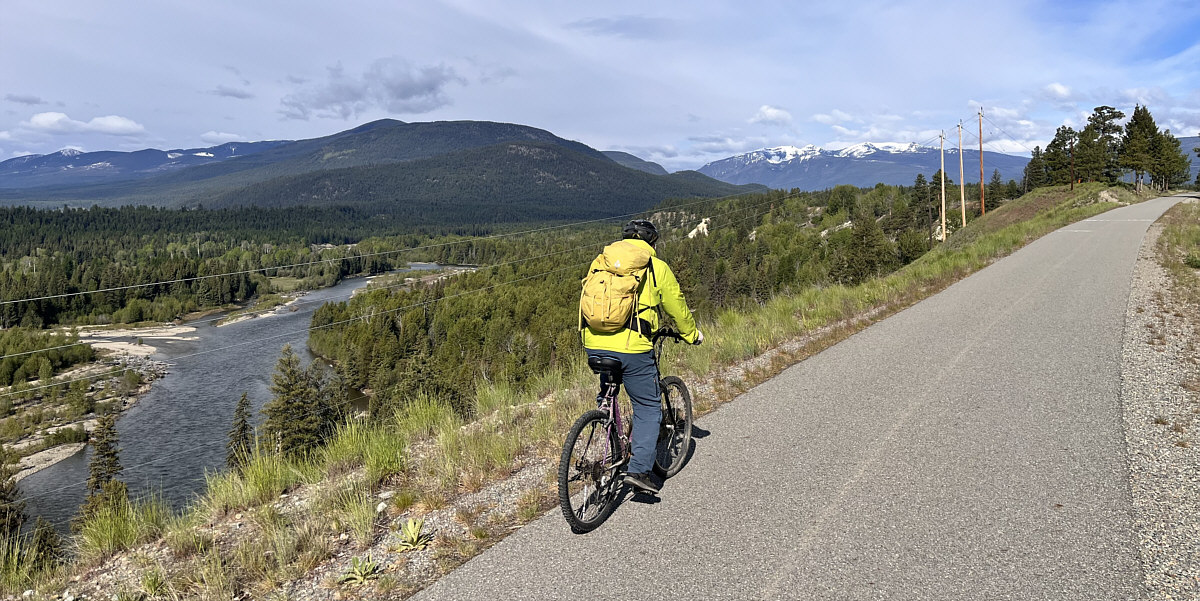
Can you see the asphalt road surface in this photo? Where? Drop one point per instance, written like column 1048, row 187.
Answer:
column 969, row 447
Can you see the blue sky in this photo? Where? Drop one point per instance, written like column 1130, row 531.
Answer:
column 680, row 83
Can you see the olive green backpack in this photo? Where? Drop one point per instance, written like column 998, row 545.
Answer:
column 609, row 299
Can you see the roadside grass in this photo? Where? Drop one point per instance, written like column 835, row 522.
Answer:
column 429, row 455
column 263, row 478
column 1179, row 251
column 118, row 526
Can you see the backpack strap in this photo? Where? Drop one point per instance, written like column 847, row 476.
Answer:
column 638, row 324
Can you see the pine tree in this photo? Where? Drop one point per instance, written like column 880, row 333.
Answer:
column 1058, row 156
column 105, row 463
column 867, row 254
column 1091, row 155
column 294, row 417
column 1035, row 170
column 104, row 490
column 1169, row 165
column 995, row 189
column 1103, row 122
column 241, row 436
column 1135, row 145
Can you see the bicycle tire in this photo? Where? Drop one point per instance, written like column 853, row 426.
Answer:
column 675, row 430
column 588, row 472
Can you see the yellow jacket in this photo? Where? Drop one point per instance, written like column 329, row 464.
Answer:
column 660, row 289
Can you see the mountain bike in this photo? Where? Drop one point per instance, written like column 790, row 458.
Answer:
column 597, row 447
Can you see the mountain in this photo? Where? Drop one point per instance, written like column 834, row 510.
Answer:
column 475, row 171
column 633, row 162
column 377, row 142
column 73, row 167
column 862, row 165
column 512, row 181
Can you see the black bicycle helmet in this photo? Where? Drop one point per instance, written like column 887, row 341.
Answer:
column 642, row 230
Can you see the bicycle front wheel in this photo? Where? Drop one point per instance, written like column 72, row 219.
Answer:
column 675, row 431
column 588, row 485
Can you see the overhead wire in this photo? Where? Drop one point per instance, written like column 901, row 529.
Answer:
column 354, row 257
column 347, row 403
column 121, row 370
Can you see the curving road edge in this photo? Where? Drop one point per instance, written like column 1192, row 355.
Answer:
column 969, row 447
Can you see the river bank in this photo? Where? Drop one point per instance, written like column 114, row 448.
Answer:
column 117, row 358
column 178, row 428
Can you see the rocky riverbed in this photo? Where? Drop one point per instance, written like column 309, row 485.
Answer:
column 114, row 362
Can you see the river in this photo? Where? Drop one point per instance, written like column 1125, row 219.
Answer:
column 178, row 430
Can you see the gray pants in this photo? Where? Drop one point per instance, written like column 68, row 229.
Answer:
column 640, row 377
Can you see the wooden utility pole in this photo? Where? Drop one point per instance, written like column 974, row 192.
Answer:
column 982, row 208
column 942, row 137
column 1072, row 163
column 962, row 182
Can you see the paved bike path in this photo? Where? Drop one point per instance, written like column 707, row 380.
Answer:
column 969, row 447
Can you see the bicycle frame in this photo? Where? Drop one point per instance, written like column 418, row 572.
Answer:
column 607, row 400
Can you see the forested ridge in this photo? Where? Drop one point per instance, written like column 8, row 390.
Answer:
column 442, row 147
column 517, row 319
column 509, row 182
column 62, row 256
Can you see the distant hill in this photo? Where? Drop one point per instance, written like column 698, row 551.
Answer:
column 452, row 172
column 862, row 165
column 72, row 167
column 633, row 162
column 512, row 181
column 1188, row 144
column 413, row 148
column 377, row 142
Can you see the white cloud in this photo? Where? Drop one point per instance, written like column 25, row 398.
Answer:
column 771, row 115
column 60, row 123
column 834, row 116
column 220, row 137
column 1057, row 91
column 720, row 144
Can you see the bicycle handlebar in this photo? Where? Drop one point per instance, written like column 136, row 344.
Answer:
column 665, row 332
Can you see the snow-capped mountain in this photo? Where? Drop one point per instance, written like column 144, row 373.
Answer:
column 865, row 164
column 73, row 167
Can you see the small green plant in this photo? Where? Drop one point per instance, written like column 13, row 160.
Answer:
column 360, row 571
column 412, row 537
column 1193, row 260
column 154, row 582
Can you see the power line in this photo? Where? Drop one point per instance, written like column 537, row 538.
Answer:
column 121, row 370
column 301, row 303
column 210, row 443
column 1006, row 134
column 353, row 257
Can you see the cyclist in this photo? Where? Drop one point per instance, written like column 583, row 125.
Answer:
column 632, row 347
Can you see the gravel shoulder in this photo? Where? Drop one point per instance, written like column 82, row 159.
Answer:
column 1160, row 393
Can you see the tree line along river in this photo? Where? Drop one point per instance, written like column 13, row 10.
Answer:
column 178, row 430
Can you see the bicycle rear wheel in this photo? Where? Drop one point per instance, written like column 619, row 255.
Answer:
column 675, row 431
column 588, row 484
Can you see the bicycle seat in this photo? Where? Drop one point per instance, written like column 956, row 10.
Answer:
column 605, row 365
